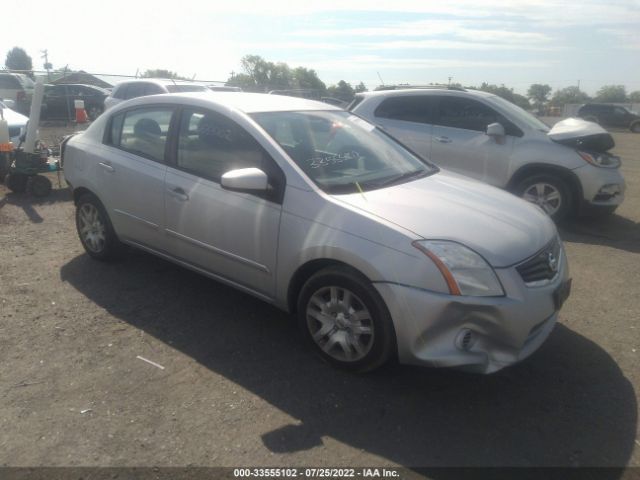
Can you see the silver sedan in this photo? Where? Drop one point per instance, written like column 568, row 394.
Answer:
column 376, row 251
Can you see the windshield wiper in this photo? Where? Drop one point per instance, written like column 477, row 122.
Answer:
column 398, row 178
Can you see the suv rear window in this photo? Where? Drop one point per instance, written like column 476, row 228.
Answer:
column 9, row 81
column 410, row 108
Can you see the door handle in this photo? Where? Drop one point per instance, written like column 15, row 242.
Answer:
column 107, row 167
column 178, row 193
column 444, row 139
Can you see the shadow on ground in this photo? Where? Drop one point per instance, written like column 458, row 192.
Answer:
column 569, row 404
column 28, row 202
column 613, row 231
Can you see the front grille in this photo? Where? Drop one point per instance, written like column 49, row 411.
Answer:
column 543, row 265
column 14, row 131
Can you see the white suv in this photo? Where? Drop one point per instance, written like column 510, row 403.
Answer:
column 18, row 88
column 564, row 170
column 149, row 86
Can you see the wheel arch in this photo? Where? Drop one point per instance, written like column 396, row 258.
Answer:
column 565, row 174
column 306, row 270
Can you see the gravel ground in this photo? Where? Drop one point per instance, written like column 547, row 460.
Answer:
column 237, row 387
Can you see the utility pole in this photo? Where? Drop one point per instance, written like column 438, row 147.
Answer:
column 578, row 84
column 449, row 84
column 47, row 65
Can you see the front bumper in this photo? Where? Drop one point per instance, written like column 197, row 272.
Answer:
column 505, row 330
column 595, row 182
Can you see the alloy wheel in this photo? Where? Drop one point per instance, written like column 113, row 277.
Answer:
column 92, row 228
column 545, row 195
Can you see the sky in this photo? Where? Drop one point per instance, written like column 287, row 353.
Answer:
column 515, row 43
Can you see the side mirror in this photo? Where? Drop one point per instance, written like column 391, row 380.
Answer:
column 9, row 103
column 246, row 179
column 495, row 130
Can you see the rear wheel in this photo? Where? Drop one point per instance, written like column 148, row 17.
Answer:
column 550, row 193
column 95, row 230
column 343, row 317
column 16, row 182
column 635, row 127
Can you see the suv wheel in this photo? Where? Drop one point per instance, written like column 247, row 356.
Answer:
column 16, row 182
column 343, row 317
column 550, row 193
column 95, row 230
column 635, row 127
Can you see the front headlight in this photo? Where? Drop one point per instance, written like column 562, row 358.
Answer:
column 465, row 272
column 604, row 160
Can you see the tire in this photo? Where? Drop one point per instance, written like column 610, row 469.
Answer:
column 358, row 335
column 16, row 182
column 95, row 230
column 39, row 186
column 551, row 193
column 635, row 127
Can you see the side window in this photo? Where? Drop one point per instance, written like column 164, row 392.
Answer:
column 120, row 92
column 142, row 131
column 151, row 89
column 211, row 144
column 465, row 113
column 10, row 82
column 135, row 90
column 414, row 108
column 619, row 111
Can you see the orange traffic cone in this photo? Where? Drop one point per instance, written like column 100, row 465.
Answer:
column 81, row 113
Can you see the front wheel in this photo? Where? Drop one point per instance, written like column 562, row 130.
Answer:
column 16, row 182
column 635, row 127
column 345, row 320
column 550, row 193
column 95, row 230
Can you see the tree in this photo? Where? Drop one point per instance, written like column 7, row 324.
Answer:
column 17, row 59
column 360, row 88
column 612, row 94
column 569, row 95
column 261, row 75
column 162, row 73
column 507, row 94
column 635, row 96
column 342, row 90
column 539, row 93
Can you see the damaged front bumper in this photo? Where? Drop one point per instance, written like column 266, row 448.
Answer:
column 479, row 334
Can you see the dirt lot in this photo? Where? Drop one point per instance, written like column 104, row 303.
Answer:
column 238, row 388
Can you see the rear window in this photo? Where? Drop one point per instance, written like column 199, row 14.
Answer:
column 186, row 88
column 9, row 81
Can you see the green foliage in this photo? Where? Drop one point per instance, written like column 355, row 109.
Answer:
column 162, row 73
column 569, row 95
column 360, row 88
column 17, row 59
column 261, row 75
column 539, row 94
column 635, row 96
column 507, row 94
column 612, row 94
column 343, row 90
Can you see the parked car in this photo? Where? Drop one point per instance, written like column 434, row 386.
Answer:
column 223, row 88
column 565, row 169
column 149, row 86
column 316, row 211
column 16, row 121
column 610, row 116
column 58, row 100
column 18, row 88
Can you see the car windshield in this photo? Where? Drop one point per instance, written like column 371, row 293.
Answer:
column 520, row 115
column 186, row 88
column 341, row 152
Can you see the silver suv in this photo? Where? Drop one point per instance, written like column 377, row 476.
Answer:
column 564, row 170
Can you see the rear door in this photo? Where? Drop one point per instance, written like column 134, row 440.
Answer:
column 460, row 142
column 408, row 118
column 231, row 234
column 131, row 173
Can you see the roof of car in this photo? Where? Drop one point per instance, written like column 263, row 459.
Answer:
column 160, row 81
column 422, row 91
column 242, row 101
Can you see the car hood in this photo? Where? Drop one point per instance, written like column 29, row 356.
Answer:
column 578, row 133
column 499, row 226
column 14, row 118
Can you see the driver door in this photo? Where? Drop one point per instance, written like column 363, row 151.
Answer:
column 233, row 235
